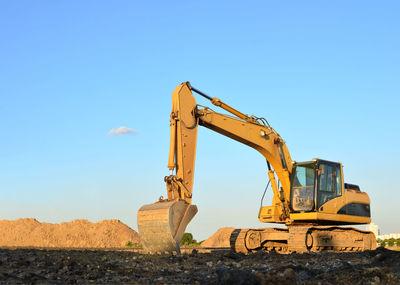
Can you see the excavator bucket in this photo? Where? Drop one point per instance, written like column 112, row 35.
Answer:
column 162, row 225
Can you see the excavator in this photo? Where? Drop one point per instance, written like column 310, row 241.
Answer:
column 310, row 197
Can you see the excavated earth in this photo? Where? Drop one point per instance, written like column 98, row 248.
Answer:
column 29, row 232
column 45, row 266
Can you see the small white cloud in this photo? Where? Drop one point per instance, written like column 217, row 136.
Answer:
column 122, row 131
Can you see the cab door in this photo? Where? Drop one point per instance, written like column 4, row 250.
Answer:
column 329, row 182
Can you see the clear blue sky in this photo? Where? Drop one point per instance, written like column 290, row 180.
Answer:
column 324, row 73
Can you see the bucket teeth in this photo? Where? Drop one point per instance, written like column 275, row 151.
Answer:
column 161, row 225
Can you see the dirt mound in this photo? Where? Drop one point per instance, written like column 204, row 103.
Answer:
column 77, row 233
column 219, row 239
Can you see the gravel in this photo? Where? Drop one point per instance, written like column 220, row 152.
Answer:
column 56, row 266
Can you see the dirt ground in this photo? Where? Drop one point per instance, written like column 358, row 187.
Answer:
column 46, row 266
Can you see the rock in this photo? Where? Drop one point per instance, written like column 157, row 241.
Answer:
column 235, row 276
column 379, row 257
column 236, row 264
column 279, row 276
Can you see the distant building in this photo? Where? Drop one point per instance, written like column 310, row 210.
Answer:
column 389, row 236
column 373, row 228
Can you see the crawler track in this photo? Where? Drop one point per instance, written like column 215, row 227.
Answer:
column 302, row 239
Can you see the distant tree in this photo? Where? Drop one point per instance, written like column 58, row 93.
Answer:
column 398, row 242
column 390, row 242
column 131, row 244
column 187, row 239
column 383, row 243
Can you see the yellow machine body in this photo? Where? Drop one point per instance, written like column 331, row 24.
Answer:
column 311, row 198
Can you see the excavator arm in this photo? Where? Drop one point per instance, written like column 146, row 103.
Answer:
column 162, row 224
column 266, row 141
column 182, row 151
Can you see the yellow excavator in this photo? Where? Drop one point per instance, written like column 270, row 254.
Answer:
column 310, row 197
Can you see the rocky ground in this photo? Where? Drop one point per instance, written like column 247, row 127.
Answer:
column 220, row 267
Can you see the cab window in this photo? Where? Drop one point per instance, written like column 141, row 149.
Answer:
column 329, row 182
column 303, row 188
column 326, row 178
column 338, row 181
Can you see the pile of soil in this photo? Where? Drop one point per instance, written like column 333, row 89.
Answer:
column 33, row 266
column 393, row 247
column 219, row 239
column 76, row 234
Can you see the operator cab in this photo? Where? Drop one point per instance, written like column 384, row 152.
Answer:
column 314, row 183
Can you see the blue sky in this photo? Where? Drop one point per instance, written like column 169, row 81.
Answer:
column 325, row 75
